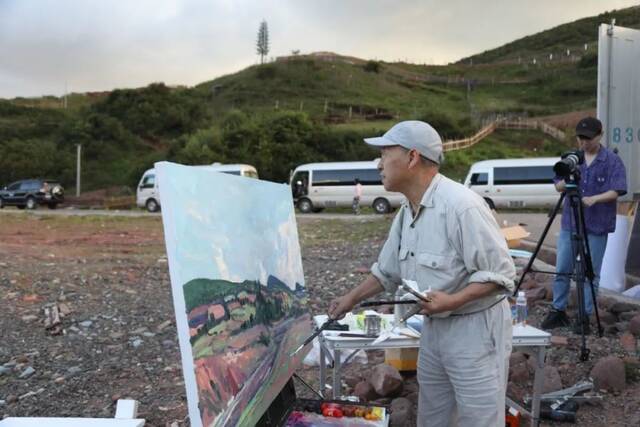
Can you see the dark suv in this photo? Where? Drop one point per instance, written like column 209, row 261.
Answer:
column 29, row 193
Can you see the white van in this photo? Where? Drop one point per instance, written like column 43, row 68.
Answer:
column 515, row 183
column 319, row 185
column 147, row 193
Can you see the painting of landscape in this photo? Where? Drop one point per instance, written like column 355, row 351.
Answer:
column 238, row 289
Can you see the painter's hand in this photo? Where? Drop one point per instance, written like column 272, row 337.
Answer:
column 339, row 307
column 589, row 201
column 439, row 303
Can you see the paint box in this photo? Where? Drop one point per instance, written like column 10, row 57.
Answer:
column 289, row 411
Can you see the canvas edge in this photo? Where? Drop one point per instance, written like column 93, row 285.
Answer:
column 177, row 292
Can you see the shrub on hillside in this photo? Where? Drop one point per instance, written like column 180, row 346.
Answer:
column 372, row 67
column 265, row 72
column 154, row 111
column 20, row 159
column 448, row 127
column 589, row 60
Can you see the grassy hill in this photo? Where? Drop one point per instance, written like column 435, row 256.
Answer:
column 302, row 109
column 557, row 40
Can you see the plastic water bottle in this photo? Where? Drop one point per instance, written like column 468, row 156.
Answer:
column 398, row 309
column 521, row 308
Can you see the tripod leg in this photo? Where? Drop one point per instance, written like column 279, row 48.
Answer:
column 539, row 245
column 579, row 252
column 590, row 273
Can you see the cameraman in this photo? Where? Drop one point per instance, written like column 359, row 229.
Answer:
column 602, row 180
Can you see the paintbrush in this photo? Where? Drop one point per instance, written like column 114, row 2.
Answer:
column 408, row 288
column 375, row 303
column 318, row 331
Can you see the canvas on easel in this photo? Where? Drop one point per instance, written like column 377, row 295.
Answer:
column 238, row 290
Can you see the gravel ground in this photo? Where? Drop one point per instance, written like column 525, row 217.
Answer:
column 119, row 340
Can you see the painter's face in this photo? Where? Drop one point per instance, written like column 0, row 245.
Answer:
column 394, row 167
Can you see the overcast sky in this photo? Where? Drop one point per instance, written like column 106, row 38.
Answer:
column 92, row 45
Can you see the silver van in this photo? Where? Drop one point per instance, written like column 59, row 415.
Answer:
column 316, row 186
column 514, row 183
column 147, row 195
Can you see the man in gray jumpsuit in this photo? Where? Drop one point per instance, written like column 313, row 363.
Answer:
column 445, row 238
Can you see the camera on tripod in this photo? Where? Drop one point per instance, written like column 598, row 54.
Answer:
column 569, row 163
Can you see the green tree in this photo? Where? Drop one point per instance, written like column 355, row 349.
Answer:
column 288, row 135
column 22, row 159
column 372, row 66
column 262, row 45
column 202, row 147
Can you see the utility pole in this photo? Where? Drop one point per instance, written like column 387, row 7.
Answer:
column 79, row 146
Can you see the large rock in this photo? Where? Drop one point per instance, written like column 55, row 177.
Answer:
column 629, row 343
column 544, row 279
column 607, row 318
column 519, row 368
column 529, row 283
column 609, row 374
column 517, row 357
column 610, row 329
column 552, row 380
column 632, row 363
column 401, row 412
column 535, row 294
column 622, row 326
column 365, row 391
column 621, row 307
column 519, row 373
column 634, row 325
column 352, row 380
column 605, row 302
column 548, row 286
column 628, row 315
column 386, row 380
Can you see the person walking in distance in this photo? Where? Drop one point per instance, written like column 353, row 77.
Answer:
column 357, row 194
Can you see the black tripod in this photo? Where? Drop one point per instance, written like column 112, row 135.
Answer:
column 582, row 266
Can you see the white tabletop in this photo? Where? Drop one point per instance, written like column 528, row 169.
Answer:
column 523, row 335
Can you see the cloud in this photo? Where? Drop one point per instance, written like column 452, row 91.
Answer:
column 100, row 45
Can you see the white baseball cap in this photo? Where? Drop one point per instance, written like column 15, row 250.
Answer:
column 412, row 135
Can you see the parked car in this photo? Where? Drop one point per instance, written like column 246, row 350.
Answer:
column 30, row 193
column 316, row 186
column 148, row 196
column 514, row 183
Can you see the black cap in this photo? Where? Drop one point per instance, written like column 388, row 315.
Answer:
column 589, row 127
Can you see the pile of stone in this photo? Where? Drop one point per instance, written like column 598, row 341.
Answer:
column 384, row 385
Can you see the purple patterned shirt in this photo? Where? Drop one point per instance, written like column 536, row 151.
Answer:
column 606, row 172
